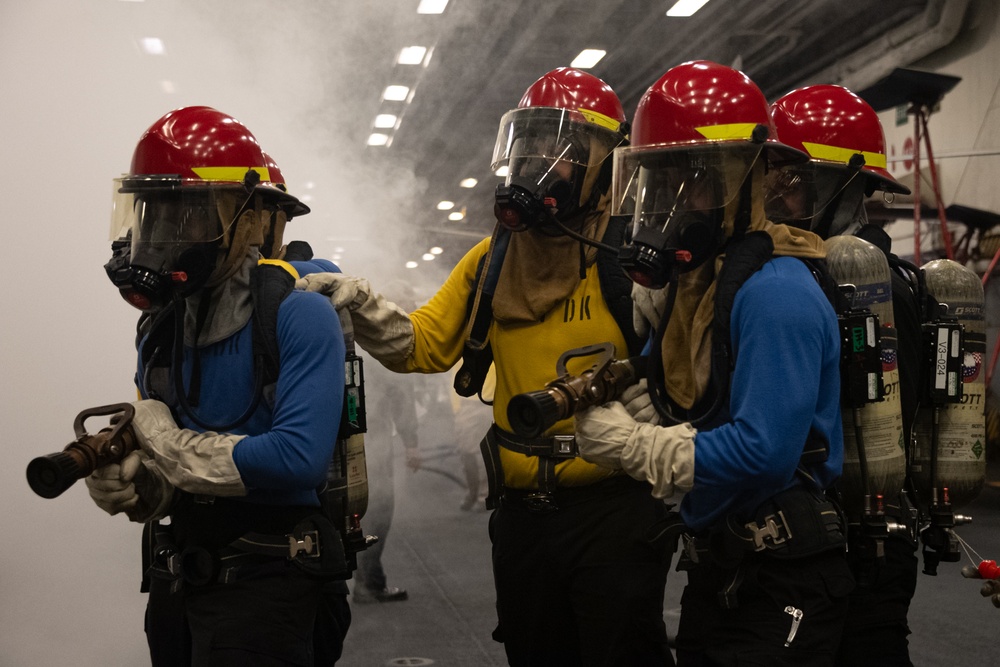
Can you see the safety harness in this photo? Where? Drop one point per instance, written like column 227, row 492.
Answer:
column 477, row 355
column 321, row 544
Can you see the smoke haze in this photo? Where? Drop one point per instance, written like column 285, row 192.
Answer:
column 78, row 91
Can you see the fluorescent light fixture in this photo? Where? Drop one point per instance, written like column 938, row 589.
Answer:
column 436, row 250
column 395, row 93
column 168, row 87
column 431, row 6
column 412, row 55
column 428, row 257
column 686, row 7
column 338, row 249
column 502, row 171
column 385, row 121
column 411, row 265
column 309, row 185
column 468, row 182
column 153, row 46
column 588, row 58
column 446, row 205
column 456, row 216
column 378, row 139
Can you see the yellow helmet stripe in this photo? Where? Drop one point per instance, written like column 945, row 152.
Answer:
column 597, row 118
column 727, row 131
column 837, row 154
column 233, row 174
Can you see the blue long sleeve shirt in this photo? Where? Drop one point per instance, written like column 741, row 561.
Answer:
column 291, row 435
column 785, row 384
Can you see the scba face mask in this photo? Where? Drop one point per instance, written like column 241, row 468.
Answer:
column 168, row 240
column 676, row 197
column 552, row 157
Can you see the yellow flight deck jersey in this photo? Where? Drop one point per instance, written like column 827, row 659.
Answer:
column 524, row 355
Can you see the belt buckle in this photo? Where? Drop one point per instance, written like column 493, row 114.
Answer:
column 308, row 545
column 770, row 530
column 540, row 502
column 564, row 445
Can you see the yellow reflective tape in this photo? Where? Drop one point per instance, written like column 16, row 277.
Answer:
column 600, row 119
column 836, row 154
column 283, row 264
column 728, row 131
column 234, row 174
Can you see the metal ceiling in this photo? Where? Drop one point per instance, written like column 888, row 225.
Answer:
column 485, row 54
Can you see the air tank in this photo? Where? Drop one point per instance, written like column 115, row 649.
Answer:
column 961, row 427
column 854, row 261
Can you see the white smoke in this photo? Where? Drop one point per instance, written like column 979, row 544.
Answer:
column 78, row 91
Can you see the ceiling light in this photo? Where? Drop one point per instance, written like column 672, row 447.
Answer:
column 431, row 6
column 686, row 7
column 588, row 58
column 456, row 216
column 427, row 257
column 412, row 55
column 395, row 93
column 168, row 87
column 378, row 139
column 436, row 250
column 385, row 121
column 468, row 182
column 502, row 171
column 412, row 265
column 309, row 185
column 153, row 46
column 446, row 205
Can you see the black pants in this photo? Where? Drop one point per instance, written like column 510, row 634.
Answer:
column 756, row 631
column 876, row 630
column 266, row 617
column 582, row 584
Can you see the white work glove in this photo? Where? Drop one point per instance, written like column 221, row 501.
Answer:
column 199, row 463
column 647, row 308
column 639, row 403
column 135, row 486
column 661, row 455
column 381, row 328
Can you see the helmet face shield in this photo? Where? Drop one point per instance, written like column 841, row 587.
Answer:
column 656, row 184
column 549, row 153
column 173, row 229
column 803, row 195
column 676, row 196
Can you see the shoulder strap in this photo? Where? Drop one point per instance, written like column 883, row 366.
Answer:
column 615, row 285
column 270, row 283
column 477, row 355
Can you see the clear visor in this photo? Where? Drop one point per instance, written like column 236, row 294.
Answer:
column 533, row 141
column 797, row 195
column 173, row 212
column 655, row 184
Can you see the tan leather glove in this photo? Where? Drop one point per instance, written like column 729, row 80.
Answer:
column 381, row 328
column 647, row 308
column 135, row 487
column 639, row 404
column 200, row 463
column 661, row 455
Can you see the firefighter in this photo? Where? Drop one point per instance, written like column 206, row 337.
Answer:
column 231, row 453
column 846, row 146
column 743, row 373
column 578, row 580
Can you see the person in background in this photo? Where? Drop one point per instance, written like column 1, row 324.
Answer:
column 743, row 374
column 579, row 575
column 233, row 445
column 843, row 137
column 392, row 406
column 473, row 417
